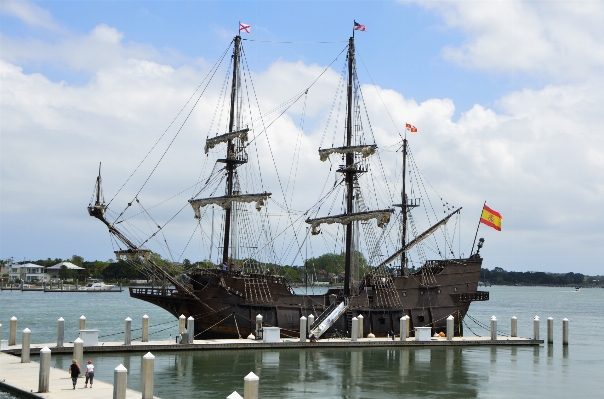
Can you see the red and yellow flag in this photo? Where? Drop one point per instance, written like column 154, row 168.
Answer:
column 491, row 218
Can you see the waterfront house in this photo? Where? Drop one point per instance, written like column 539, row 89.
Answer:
column 28, row 272
column 53, row 271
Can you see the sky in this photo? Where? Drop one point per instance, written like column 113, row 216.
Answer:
column 506, row 96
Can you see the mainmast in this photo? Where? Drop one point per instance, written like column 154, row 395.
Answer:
column 404, row 210
column 350, row 170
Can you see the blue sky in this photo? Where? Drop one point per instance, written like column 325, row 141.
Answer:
column 505, row 94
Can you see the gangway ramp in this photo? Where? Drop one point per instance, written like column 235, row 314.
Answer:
column 328, row 318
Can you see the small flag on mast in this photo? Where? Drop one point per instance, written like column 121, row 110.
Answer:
column 358, row 26
column 411, row 128
column 491, row 218
column 245, row 27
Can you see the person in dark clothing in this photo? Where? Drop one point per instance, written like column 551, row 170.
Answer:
column 224, row 269
column 74, row 370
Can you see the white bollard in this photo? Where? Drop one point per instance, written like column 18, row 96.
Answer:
column 550, row 330
column 259, row 326
column 234, row 395
column 565, row 331
column 82, row 322
column 120, row 380
column 403, row 327
column 361, row 321
column 12, row 334
column 78, row 351
column 536, row 328
column 182, row 322
column 493, row 328
column 127, row 331
column 191, row 329
column 25, row 345
column 354, row 334
column 303, row 329
column 450, row 327
column 145, row 335
column 44, row 377
column 514, row 326
column 311, row 319
column 250, row 386
column 408, row 326
column 147, row 375
column 60, row 332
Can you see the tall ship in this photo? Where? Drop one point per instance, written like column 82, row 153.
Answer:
column 386, row 273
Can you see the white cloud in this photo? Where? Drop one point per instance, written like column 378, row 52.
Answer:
column 29, row 13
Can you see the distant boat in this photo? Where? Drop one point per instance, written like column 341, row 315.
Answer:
column 97, row 287
column 577, row 289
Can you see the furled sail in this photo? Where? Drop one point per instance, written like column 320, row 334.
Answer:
column 223, row 138
column 419, row 238
column 365, row 150
column 225, row 202
column 382, row 216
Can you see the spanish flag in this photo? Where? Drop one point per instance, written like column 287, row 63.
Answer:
column 491, row 218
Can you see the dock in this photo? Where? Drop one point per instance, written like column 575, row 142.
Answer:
column 21, row 379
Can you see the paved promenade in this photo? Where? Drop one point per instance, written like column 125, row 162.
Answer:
column 22, row 379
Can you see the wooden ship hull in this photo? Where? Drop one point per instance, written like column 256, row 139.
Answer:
column 227, row 306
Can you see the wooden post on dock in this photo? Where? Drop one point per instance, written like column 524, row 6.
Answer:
column 25, row 345
column 78, row 351
column 127, row 331
column 82, row 322
column 12, row 334
column 120, row 380
column 514, row 326
column 147, row 375
column 145, row 335
column 550, row 330
column 191, row 329
column 565, row 331
column 303, row 329
column 450, row 327
column 493, row 328
column 60, row 332
column 44, row 377
column 403, row 327
column 354, row 333
column 361, row 321
column 536, row 328
column 251, row 383
column 181, row 324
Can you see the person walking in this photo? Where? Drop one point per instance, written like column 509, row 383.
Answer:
column 75, row 371
column 89, row 374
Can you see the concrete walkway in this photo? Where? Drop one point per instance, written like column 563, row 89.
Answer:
column 21, row 379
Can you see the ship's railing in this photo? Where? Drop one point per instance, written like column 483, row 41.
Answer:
column 153, row 291
column 471, row 296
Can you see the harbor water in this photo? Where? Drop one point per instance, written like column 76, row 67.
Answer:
column 465, row 372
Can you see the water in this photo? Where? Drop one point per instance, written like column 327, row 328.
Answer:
column 465, row 372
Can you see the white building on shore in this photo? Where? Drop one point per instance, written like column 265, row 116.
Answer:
column 28, row 272
column 53, row 271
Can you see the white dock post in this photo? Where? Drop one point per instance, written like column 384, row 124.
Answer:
column 145, row 335
column 361, row 321
column 60, row 332
column 354, row 334
column 403, row 327
column 44, row 378
column 250, row 386
column 12, row 334
column 259, row 326
column 514, row 326
column 182, row 320
column 450, row 327
column 550, row 330
column 120, row 380
column 25, row 345
column 191, row 329
column 536, row 328
column 303, row 329
column 234, row 395
column 408, row 326
column 82, row 322
column 565, row 331
column 493, row 328
column 127, row 331
column 147, row 375
column 310, row 320
column 78, row 351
